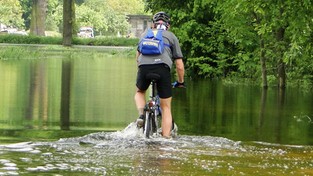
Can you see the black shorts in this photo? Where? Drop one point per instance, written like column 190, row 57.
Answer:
column 164, row 85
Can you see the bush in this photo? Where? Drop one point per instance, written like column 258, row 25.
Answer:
column 103, row 41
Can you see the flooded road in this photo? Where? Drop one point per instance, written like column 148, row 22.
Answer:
column 127, row 152
column 70, row 113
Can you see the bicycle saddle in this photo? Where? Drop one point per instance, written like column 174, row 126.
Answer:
column 153, row 76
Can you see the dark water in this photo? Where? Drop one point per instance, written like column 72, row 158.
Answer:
column 245, row 113
column 72, row 115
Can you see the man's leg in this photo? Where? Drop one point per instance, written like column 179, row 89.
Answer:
column 140, row 100
column 166, row 116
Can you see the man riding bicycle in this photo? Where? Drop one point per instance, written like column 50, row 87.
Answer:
column 160, row 64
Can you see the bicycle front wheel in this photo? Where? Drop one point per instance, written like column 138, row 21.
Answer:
column 148, row 125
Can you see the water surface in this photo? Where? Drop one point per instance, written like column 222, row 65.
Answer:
column 72, row 114
column 127, row 152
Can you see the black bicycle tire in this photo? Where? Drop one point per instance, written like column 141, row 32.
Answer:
column 154, row 122
column 147, row 127
column 150, row 124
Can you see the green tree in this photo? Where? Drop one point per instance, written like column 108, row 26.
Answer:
column 206, row 48
column 11, row 13
column 87, row 16
column 280, row 28
column 126, row 7
column 54, row 15
column 245, row 24
column 238, row 37
column 107, row 17
column 26, row 6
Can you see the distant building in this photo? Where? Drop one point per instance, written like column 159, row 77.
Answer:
column 138, row 24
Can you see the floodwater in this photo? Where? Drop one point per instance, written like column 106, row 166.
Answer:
column 73, row 115
column 127, row 152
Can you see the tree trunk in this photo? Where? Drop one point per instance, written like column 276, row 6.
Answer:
column 281, row 74
column 38, row 17
column 263, row 63
column 262, row 56
column 68, row 21
column 281, row 71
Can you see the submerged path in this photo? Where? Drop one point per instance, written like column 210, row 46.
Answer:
column 127, row 152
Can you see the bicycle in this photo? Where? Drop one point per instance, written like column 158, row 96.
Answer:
column 152, row 110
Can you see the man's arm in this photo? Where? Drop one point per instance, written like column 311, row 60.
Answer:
column 137, row 55
column 180, row 70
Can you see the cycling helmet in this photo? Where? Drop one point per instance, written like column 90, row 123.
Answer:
column 161, row 16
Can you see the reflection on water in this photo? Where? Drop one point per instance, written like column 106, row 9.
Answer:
column 244, row 112
column 127, row 152
column 94, row 91
column 81, row 93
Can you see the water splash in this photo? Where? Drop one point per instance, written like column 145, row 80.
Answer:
column 128, row 152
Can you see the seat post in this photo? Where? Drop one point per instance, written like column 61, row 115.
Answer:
column 154, row 87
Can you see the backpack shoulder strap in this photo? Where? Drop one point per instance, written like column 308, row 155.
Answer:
column 160, row 37
column 149, row 34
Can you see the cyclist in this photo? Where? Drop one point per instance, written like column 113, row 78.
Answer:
column 160, row 64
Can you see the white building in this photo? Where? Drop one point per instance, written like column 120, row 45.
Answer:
column 138, row 24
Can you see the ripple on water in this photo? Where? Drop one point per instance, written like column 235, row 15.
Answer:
column 7, row 167
column 127, row 152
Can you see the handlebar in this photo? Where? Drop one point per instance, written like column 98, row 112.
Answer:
column 177, row 84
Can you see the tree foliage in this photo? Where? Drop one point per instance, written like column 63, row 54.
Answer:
column 226, row 38
column 11, row 13
column 103, row 18
column 283, row 26
column 234, row 38
column 108, row 17
column 126, row 7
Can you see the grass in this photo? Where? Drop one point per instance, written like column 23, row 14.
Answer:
column 17, row 52
column 30, row 47
column 56, row 40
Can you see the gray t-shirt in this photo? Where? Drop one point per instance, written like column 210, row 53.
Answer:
column 170, row 53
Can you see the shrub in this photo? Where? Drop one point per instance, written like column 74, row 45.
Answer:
column 101, row 41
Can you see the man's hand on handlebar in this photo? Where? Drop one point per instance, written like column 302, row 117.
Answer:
column 177, row 84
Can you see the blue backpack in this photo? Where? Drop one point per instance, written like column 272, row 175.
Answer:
column 152, row 43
